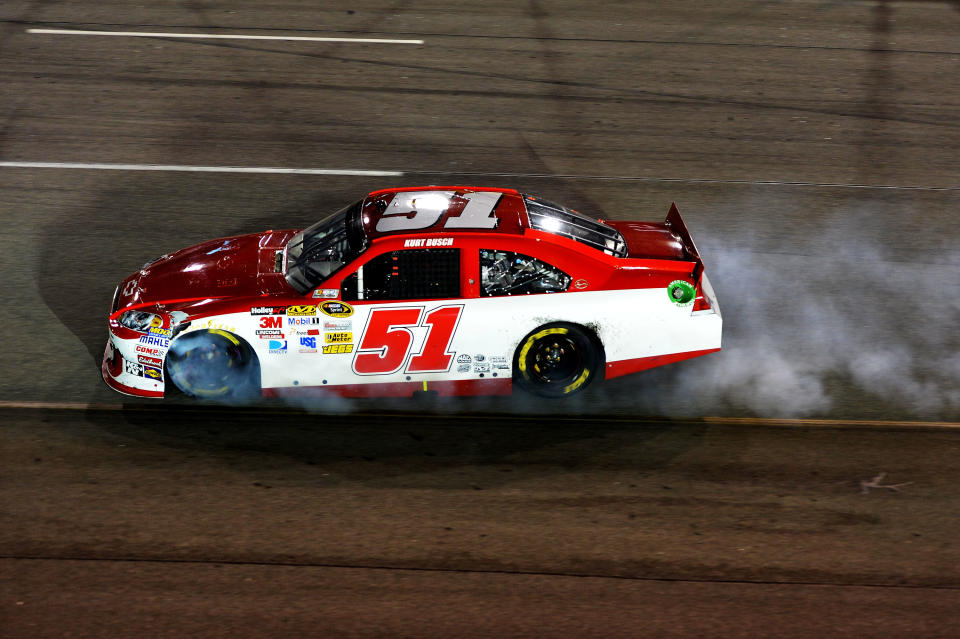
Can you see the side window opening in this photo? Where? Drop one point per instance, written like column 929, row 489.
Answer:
column 404, row 275
column 509, row 273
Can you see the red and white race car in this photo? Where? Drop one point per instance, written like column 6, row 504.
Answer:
column 453, row 290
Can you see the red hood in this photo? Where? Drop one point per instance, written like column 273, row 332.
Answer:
column 239, row 266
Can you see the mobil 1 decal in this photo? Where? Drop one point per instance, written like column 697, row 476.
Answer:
column 387, row 340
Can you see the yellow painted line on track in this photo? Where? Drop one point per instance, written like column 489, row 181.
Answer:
column 727, row 421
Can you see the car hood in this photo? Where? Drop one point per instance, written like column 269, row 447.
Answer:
column 239, row 266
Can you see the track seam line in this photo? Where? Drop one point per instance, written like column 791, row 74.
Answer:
column 469, row 571
column 260, row 410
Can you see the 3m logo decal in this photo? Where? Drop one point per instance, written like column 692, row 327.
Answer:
column 387, row 340
column 271, row 322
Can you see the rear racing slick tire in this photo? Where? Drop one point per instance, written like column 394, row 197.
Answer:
column 213, row 364
column 557, row 360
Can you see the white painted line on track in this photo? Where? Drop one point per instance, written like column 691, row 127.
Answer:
column 195, row 169
column 218, row 36
column 643, row 178
column 548, row 176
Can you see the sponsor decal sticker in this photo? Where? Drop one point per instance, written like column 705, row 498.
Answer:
column 336, row 309
column 327, row 292
column 277, row 346
column 581, row 284
column 464, row 359
column 302, row 321
column 132, row 367
column 301, row 310
column 152, row 361
column 212, row 323
column 337, row 325
column 337, row 349
column 681, row 292
column 149, row 351
column 152, row 373
column 479, row 358
column 268, row 310
column 463, row 368
column 481, row 368
column 270, row 334
column 160, row 332
column 337, row 338
column 308, row 345
column 271, row 322
column 151, row 340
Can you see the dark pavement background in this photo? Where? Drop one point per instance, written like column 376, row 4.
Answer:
column 813, row 150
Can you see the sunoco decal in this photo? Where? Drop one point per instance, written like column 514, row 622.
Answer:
column 681, row 293
column 334, row 309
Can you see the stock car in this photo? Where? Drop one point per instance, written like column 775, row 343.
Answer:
column 449, row 290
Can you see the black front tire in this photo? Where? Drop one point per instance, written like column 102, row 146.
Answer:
column 557, row 360
column 213, row 364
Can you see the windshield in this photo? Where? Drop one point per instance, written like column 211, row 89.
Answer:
column 318, row 252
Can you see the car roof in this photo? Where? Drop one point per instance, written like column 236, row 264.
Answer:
column 441, row 209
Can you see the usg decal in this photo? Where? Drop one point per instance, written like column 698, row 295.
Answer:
column 681, row 293
column 335, row 309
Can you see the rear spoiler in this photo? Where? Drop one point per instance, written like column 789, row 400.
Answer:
column 675, row 223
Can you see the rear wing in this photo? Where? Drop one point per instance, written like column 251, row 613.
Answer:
column 675, row 223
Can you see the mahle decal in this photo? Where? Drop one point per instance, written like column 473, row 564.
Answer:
column 681, row 293
column 334, row 309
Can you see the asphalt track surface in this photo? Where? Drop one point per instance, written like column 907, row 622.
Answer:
column 813, row 150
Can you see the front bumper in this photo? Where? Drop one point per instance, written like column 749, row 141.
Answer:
column 130, row 372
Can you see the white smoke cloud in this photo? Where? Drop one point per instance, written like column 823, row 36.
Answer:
column 798, row 329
